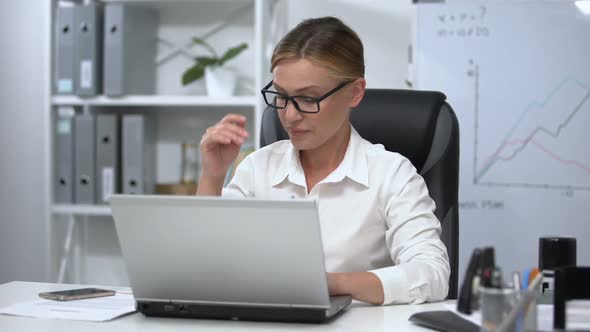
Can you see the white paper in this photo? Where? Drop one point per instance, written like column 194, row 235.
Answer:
column 544, row 317
column 95, row 310
column 577, row 315
column 107, row 183
column 86, row 74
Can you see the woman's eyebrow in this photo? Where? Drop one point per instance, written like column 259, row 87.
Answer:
column 310, row 87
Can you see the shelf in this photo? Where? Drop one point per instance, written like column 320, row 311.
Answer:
column 146, row 100
column 173, row 1
column 82, row 210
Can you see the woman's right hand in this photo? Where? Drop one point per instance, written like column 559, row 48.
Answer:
column 221, row 144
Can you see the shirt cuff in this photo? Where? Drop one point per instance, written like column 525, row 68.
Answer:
column 396, row 287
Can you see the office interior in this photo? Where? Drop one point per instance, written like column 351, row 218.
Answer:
column 539, row 186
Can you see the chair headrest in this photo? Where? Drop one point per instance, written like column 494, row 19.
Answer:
column 402, row 120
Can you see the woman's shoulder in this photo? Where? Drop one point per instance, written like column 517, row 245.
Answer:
column 272, row 151
column 378, row 155
column 389, row 171
column 278, row 147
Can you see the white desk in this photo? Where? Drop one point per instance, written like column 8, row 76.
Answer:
column 359, row 317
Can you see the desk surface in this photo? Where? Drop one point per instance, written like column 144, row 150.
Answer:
column 358, row 317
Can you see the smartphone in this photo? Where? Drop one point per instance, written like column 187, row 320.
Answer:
column 76, row 294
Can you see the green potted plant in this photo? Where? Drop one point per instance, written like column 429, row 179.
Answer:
column 219, row 81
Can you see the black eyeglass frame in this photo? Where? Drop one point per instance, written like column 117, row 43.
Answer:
column 318, row 100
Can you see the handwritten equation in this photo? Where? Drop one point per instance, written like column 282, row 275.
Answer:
column 463, row 25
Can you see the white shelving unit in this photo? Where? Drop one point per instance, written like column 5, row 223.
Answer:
column 67, row 224
column 195, row 101
column 80, row 210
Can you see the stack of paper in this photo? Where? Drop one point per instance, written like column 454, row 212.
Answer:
column 577, row 315
column 96, row 310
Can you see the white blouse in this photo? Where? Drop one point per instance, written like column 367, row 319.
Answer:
column 375, row 214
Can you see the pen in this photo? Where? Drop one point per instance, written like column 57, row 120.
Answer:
column 523, row 303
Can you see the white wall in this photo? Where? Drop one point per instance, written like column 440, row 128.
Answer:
column 384, row 26
column 22, row 136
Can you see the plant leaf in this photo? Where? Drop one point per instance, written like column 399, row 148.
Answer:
column 206, row 61
column 202, row 42
column 232, row 53
column 192, row 74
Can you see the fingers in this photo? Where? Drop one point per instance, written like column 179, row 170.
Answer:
column 234, row 123
column 220, row 138
column 229, row 130
column 236, row 119
column 216, row 135
column 232, row 129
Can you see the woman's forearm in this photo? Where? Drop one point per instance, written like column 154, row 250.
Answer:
column 209, row 186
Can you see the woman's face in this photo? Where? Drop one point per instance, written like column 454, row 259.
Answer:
column 301, row 77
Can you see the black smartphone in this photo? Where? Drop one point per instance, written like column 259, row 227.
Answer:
column 76, row 294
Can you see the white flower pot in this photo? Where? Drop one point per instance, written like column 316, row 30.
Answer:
column 220, row 82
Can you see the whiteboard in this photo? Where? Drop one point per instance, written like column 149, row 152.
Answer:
column 518, row 76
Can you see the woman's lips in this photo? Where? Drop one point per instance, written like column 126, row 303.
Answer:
column 297, row 131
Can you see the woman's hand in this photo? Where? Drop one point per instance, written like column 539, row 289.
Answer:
column 219, row 148
column 362, row 286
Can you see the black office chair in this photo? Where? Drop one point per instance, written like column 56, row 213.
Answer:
column 421, row 126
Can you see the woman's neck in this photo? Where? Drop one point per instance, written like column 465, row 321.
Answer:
column 320, row 162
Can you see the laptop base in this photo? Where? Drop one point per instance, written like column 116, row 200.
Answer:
column 227, row 312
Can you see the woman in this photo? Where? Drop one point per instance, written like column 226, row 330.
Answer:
column 381, row 238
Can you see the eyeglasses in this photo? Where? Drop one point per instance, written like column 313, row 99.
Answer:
column 303, row 104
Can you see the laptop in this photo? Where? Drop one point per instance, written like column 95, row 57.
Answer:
column 221, row 258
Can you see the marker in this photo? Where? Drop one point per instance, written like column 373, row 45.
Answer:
column 525, row 278
column 534, row 273
column 516, row 281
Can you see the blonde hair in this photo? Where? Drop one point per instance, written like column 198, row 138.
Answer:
column 325, row 41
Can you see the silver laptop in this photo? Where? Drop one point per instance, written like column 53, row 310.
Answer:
column 220, row 258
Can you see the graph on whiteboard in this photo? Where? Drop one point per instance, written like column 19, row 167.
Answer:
column 517, row 73
column 521, row 89
column 541, row 148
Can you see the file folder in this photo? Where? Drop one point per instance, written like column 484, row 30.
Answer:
column 129, row 50
column 107, row 157
column 84, row 133
column 88, row 41
column 65, row 46
column 64, row 156
column 139, row 154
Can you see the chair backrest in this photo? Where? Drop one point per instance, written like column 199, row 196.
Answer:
column 421, row 126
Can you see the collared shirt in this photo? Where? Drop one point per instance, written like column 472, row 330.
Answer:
column 375, row 214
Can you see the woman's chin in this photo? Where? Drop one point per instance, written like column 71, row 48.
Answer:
column 303, row 144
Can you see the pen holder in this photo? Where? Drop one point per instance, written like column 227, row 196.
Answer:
column 496, row 304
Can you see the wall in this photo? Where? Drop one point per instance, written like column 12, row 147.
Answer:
column 22, row 136
column 384, row 26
